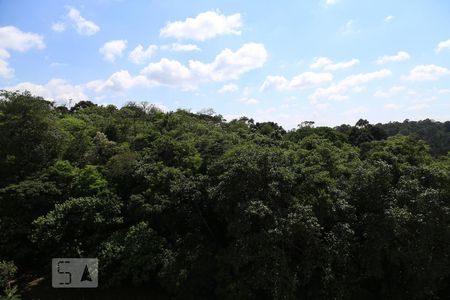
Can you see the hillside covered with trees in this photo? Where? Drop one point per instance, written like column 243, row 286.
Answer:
column 189, row 206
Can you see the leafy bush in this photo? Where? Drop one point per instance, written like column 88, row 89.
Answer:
column 8, row 272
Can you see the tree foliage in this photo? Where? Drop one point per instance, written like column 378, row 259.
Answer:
column 200, row 208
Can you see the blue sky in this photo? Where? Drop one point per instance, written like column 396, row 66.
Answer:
column 330, row 61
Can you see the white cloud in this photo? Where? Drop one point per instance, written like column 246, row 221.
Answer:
column 349, row 28
column 229, row 65
column 12, row 38
column 443, row 45
column 275, row 83
column 113, row 49
column 390, row 92
column 302, row 81
column 348, row 84
column 320, row 62
column 5, row 70
column 342, row 65
column 229, row 88
column 55, row 90
column 309, row 79
column 249, row 101
column 355, row 80
column 177, row 47
column 426, row 73
column 204, row 26
column 392, row 106
column 58, row 26
column 328, row 65
column 141, row 56
column 400, row 56
column 170, row 73
column 388, row 18
column 119, row 81
column 83, row 26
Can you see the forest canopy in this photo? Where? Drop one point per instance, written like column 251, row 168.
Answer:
column 196, row 207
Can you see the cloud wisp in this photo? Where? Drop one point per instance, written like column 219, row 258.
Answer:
column 82, row 26
column 328, row 65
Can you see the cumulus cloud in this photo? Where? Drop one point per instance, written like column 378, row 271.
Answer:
column 166, row 72
column 302, row 81
column 230, row 65
column 204, row 26
column 56, row 89
column 227, row 65
column 12, row 38
column 118, row 82
column 229, row 88
column 169, row 72
column 348, row 84
column 83, row 26
column 139, row 55
column 59, row 27
column 5, row 70
column 390, row 92
column 443, row 45
column 177, row 47
column 320, row 62
column 426, row 73
column 355, row 80
column 113, row 49
column 328, row 65
column 400, row 56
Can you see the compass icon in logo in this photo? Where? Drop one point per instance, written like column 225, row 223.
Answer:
column 75, row 272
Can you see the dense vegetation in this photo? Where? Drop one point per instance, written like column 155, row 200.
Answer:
column 436, row 134
column 198, row 208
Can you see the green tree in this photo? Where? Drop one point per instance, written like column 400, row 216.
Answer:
column 29, row 139
column 75, row 228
